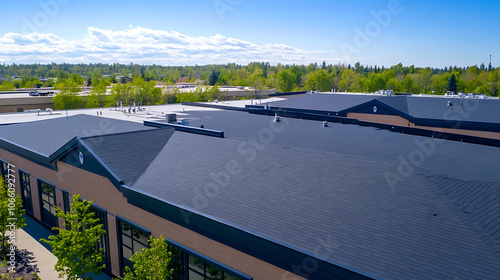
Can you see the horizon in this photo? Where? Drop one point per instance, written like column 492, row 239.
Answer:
column 419, row 33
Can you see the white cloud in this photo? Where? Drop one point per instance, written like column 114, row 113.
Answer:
column 148, row 46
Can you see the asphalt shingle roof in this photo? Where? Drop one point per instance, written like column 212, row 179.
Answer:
column 302, row 184
column 47, row 136
column 323, row 102
column 299, row 196
column 129, row 154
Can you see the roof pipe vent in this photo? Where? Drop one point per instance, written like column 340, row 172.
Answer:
column 325, row 124
column 277, row 118
column 449, row 103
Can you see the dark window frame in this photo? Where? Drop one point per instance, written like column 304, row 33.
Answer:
column 3, row 170
column 53, row 219
column 146, row 232
column 207, row 262
column 103, row 217
column 185, row 253
column 66, row 204
column 27, row 205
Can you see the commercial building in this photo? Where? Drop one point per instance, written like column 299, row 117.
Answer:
column 255, row 196
column 465, row 116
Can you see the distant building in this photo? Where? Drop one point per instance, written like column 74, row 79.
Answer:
column 472, row 116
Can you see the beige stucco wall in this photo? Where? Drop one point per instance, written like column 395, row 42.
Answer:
column 100, row 190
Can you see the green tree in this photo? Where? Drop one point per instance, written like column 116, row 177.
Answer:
column 452, row 83
column 75, row 248
column 152, row 263
column 214, row 77
column 318, row 80
column 97, row 97
column 408, row 85
column 68, row 97
column 11, row 212
column 7, row 86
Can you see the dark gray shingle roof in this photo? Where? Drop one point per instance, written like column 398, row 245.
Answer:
column 474, row 110
column 323, row 102
column 420, row 107
column 297, row 196
column 129, row 154
column 47, row 136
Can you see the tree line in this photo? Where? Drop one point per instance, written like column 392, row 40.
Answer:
column 138, row 92
column 263, row 75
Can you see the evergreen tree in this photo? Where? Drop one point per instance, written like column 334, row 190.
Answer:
column 452, row 84
column 214, row 77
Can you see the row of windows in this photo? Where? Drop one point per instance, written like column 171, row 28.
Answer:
column 187, row 264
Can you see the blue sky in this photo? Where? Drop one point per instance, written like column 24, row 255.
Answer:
column 413, row 32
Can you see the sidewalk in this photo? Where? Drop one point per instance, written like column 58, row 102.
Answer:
column 38, row 254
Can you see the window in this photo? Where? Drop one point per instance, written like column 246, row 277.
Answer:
column 67, row 208
column 4, row 169
column 26, row 191
column 133, row 238
column 189, row 265
column 102, row 215
column 47, row 203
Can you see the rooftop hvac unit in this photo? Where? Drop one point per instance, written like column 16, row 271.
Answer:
column 171, row 118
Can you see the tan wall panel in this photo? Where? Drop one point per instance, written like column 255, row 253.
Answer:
column 485, row 134
column 397, row 120
column 60, row 204
column 100, row 190
column 35, row 197
column 387, row 119
column 113, row 246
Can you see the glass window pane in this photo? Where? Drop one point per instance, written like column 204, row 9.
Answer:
column 229, row 277
column 143, row 238
column 127, row 253
column 127, row 241
column 213, row 272
column 196, row 264
column 195, row 276
column 138, row 246
column 125, row 229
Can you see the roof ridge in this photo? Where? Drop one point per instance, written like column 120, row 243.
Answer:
column 125, row 132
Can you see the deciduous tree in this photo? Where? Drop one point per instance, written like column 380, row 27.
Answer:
column 152, row 263
column 75, row 247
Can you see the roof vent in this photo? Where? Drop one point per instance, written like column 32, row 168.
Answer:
column 171, row 118
column 325, row 124
column 449, row 103
column 277, row 118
